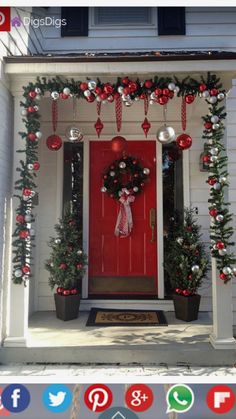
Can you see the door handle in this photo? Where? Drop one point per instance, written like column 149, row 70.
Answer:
column 152, row 222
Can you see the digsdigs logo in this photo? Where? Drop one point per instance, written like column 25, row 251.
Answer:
column 44, row 21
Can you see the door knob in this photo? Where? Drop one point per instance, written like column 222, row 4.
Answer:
column 152, row 222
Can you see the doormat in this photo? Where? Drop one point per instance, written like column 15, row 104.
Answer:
column 110, row 317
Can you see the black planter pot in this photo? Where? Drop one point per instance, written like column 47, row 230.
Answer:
column 186, row 308
column 67, row 306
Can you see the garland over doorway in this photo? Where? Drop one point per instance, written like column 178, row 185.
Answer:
column 124, row 90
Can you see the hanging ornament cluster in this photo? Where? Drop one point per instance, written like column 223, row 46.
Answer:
column 127, row 91
column 184, row 141
column 54, row 142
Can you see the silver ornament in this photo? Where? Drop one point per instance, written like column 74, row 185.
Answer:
column 220, row 96
column 73, row 134
column 39, row 135
column 195, row 268
column 122, row 165
column 66, row 91
column 165, row 134
column 52, row 264
column 219, row 218
column 55, row 95
column 227, row 270
column 171, row 86
column 212, row 99
column 57, row 241
column 205, row 94
column 217, row 186
column 213, row 159
column 79, row 252
column 25, row 277
column 214, row 151
column 36, row 108
column 23, row 112
column 223, row 179
column 112, row 173
column 153, row 95
column 180, row 240
column 103, row 189
column 214, row 119
column 146, row 171
column 87, row 93
column 215, row 126
column 37, row 90
column 30, row 167
column 18, row 273
column 135, row 189
column 176, row 89
column 120, row 89
column 222, row 252
column 92, row 84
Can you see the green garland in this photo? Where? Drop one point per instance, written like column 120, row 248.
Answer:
column 157, row 90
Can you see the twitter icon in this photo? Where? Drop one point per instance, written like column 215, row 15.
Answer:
column 57, row 398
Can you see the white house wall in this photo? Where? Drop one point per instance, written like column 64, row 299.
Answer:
column 131, row 128
column 207, row 28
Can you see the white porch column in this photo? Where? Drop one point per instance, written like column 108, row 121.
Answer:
column 222, row 336
column 18, row 295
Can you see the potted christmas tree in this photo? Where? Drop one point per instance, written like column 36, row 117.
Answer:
column 66, row 267
column 186, row 264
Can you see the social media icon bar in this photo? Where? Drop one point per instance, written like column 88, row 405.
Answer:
column 220, row 399
column 180, row 398
column 5, row 19
column 15, row 398
column 139, row 397
column 98, row 397
column 57, row 398
column 118, row 413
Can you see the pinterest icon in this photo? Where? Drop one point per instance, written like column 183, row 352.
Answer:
column 98, row 397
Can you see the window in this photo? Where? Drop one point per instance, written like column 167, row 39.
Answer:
column 122, row 16
column 77, row 21
column 171, row 20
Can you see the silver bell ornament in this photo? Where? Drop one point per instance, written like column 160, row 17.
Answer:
column 55, row 95
column 195, row 268
column 214, row 119
column 222, row 252
column 122, row 165
column 166, row 134
column 73, row 134
column 227, row 270
column 103, row 189
column 18, row 273
column 146, row 171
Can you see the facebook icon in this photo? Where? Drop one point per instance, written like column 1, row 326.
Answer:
column 15, row 398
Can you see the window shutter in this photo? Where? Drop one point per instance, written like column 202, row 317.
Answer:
column 77, row 21
column 171, row 21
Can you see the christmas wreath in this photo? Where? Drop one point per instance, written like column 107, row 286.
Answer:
column 125, row 174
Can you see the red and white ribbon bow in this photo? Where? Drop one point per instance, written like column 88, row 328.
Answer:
column 124, row 223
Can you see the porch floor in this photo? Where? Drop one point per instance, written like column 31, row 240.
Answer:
column 53, row 341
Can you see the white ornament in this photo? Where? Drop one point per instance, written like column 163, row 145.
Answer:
column 36, row 108
column 153, row 95
column 215, row 126
column 195, row 268
column 128, row 104
column 214, row 151
column 151, row 102
column 55, row 95
column 125, row 98
column 37, row 90
column 135, row 189
column 219, row 218
column 79, row 252
column 103, row 189
column 136, row 98
column 92, row 84
column 227, row 270
column 166, row 134
column 212, row 99
column 220, row 96
column 104, row 102
column 171, row 86
column 217, row 186
column 18, row 273
column 214, row 119
column 122, row 165
column 120, row 89
column 146, row 171
column 214, row 159
column 222, row 252
column 112, row 173
column 39, row 135
column 205, row 94
column 176, row 89
column 66, row 91
column 87, row 93
column 30, row 167
column 23, row 112
column 57, row 241
column 223, row 179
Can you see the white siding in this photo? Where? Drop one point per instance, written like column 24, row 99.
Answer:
column 207, row 28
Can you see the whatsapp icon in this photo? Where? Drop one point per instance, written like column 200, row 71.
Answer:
column 179, row 398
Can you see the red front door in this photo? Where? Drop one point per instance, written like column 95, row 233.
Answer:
column 121, row 266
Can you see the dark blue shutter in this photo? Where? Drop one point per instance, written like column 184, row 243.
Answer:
column 77, row 21
column 171, row 21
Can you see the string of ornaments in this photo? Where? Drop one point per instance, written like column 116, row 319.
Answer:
column 126, row 91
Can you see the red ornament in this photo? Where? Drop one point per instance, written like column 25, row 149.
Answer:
column 118, row 144
column 32, row 136
column 148, row 84
column 74, row 291
column 79, row 266
column 66, row 292
column 158, row 91
column 83, row 86
column 125, row 80
column 220, row 245
column 25, row 269
column 133, row 86
column 31, row 109
column 213, row 212
column 186, row 293
column 162, row 100
column 208, row 125
column 90, row 98
column 213, row 92
column 63, row 266
column 184, row 141
column 23, row 234
column 202, row 87
column 103, row 96
column 189, row 99
column 98, row 126
column 64, row 96
column 146, row 126
column 20, row 218
column 166, row 92
column 108, row 88
column 54, row 142
column 206, row 158
column 98, row 90
column 32, row 94
column 60, row 290
column 178, row 291
column 223, row 276
column 126, row 90
column 36, row 165
column 211, row 181
column 171, row 94
column 190, row 277
column 142, row 95
column 27, row 192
